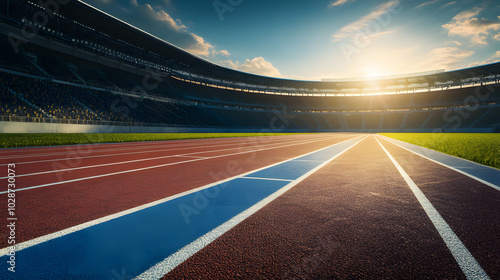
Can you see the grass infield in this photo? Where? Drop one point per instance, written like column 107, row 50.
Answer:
column 54, row 139
column 483, row 148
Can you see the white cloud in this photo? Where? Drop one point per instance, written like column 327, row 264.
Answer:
column 449, row 4
column 224, row 53
column 426, row 3
column 258, row 66
column 160, row 15
column 497, row 37
column 339, row 3
column 457, row 43
column 369, row 24
column 157, row 21
column 444, row 58
column 200, row 47
column 466, row 24
column 380, row 34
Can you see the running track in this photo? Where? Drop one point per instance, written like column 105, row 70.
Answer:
column 318, row 206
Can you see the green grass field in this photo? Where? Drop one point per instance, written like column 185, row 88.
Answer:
column 483, row 148
column 54, row 139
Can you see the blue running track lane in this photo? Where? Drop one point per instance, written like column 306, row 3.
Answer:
column 127, row 246
column 485, row 174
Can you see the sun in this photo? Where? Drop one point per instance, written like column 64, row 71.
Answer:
column 372, row 72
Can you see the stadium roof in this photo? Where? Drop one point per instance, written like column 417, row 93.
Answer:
column 186, row 62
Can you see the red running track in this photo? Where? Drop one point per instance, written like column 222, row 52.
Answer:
column 355, row 218
column 144, row 172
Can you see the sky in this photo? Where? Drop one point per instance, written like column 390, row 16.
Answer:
column 317, row 39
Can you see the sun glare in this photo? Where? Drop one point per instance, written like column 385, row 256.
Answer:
column 372, row 72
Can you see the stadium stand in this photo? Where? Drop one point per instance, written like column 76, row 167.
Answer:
column 12, row 105
column 84, row 65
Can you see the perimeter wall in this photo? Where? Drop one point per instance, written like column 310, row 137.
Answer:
column 27, row 127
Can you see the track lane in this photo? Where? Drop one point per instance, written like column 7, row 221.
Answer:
column 72, row 164
column 45, row 149
column 471, row 208
column 47, row 210
column 329, row 226
column 332, row 226
column 86, row 253
column 68, row 175
column 484, row 174
column 303, row 168
column 74, row 152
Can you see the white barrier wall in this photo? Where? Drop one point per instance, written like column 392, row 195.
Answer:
column 27, row 127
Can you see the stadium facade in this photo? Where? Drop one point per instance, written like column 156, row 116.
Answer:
column 64, row 62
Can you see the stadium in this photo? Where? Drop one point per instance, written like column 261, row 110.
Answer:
column 331, row 199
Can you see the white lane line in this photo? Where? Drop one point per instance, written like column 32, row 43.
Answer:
column 75, row 149
column 119, row 154
column 116, row 154
column 136, row 145
column 447, row 166
column 249, row 141
column 144, row 159
column 169, row 263
column 308, row 160
column 129, row 146
column 469, row 265
column 156, row 166
column 16, row 150
column 172, row 147
column 190, row 156
column 48, row 237
column 266, row 179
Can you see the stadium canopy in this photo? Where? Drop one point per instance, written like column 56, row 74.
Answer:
column 196, row 68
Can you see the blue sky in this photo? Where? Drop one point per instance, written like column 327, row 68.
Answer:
column 314, row 39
